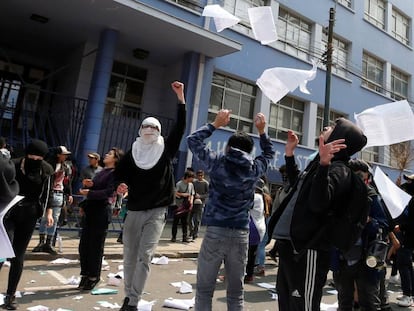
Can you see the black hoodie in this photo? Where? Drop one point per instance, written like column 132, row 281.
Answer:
column 317, row 190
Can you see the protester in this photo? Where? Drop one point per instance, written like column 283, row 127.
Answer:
column 93, row 167
column 100, row 198
column 34, row 177
column 302, row 229
column 59, row 193
column 146, row 172
column 233, row 176
column 352, row 272
column 201, row 193
column 257, row 229
column 184, row 194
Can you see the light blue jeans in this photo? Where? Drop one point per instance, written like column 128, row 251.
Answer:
column 222, row 245
column 56, row 205
column 142, row 231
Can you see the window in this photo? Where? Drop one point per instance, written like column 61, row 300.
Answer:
column 240, row 97
column 400, row 27
column 347, row 3
column 339, row 55
column 375, row 12
column 333, row 115
column 399, row 84
column 286, row 115
column 294, row 34
column 370, row 154
column 373, row 73
column 196, row 5
column 239, row 9
column 125, row 90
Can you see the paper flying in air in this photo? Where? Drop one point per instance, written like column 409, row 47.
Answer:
column 222, row 18
column 387, row 124
column 276, row 82
column 263, row 24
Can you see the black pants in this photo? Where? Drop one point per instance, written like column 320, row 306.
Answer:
column 251, row 259
column 19, row 222
column 405, row 267
column 183, row 218
column 92, row 241
column 300, row 278
column 367, row 281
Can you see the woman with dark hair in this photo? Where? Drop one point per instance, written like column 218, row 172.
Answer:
column 100, row 197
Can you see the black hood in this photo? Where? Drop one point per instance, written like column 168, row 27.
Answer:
column 355, row 139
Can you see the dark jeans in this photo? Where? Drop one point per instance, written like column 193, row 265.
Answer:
column 177, row 219
column 405, row 267
column 367, row 281
column 194, row 220
column 19, row 222
column 92, row 241
column 251, row 259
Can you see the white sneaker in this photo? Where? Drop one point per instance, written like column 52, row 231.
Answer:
column 405, row 301
column 394, row 279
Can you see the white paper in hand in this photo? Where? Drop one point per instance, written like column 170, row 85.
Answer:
column 222, row 18
column 262, row 23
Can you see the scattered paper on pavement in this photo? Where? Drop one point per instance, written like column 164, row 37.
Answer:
column 160, row 260
column 63, row 261
column 329, row 307
column 104, row 291
column 267, row 285
column 38, row 308
column 184, row 287
column 387, row 124
column 190, row 271
column 180, row 304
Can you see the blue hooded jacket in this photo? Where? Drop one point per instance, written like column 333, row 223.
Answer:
column 232, row 179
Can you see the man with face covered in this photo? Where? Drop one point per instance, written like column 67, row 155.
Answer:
column 33, row 175
column 146, row 172
column 302, row 226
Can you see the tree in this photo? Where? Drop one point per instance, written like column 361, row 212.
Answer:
column 402, row 155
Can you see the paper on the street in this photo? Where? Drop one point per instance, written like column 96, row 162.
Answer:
column 222, row 18
column 63, row 261
column 190, row 271
column 73, row 280
column 104, row 291
column 6, row 249
column 394, row 198
column 185, row 288
column 387, row 124
column 38, row 308
column 114, row 281
column 180, row 304
column 267, row 285
column 160, row 260
column 332, row 291
column 276, row 82
column 118, row 275
column 108, row 305
column 263, row 24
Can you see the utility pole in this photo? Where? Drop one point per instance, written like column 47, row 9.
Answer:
column 329, row 50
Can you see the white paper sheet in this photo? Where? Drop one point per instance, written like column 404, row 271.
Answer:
column 263, row 24
column 6, row 249
column 395, row 199
column 222, row 18
column 277, row 82
column 160, row 260
column 180, row 304
column 387, row 124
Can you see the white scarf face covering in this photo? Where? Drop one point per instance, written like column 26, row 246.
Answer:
column 149, row 146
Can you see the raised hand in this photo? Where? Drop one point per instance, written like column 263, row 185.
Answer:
column 291, row 143
column 327, row 151
column 178, row 88
column 222, row 118
column 260, row 122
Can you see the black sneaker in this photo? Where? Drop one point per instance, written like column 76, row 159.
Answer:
column 173, row 239
column 9, row 303
column 82, row 282
column 38, row 248
column 126, row 306
column 47, row 248
column 90, row 284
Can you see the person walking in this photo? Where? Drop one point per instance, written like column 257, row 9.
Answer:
column 60, row 195
column 33, row 174
column 100, row 197
column 184, row 194
column 302, row 226
column 201, row 194
column 233, row 176
column 146, row 172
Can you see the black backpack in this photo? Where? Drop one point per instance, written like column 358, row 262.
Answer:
column 348, row 220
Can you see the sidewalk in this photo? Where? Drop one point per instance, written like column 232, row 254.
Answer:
column 113, row 249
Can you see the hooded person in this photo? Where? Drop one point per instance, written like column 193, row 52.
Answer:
column 33, row 176
column 146, row 173
column 300, row 225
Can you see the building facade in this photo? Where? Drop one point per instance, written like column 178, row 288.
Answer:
column 84, row 73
